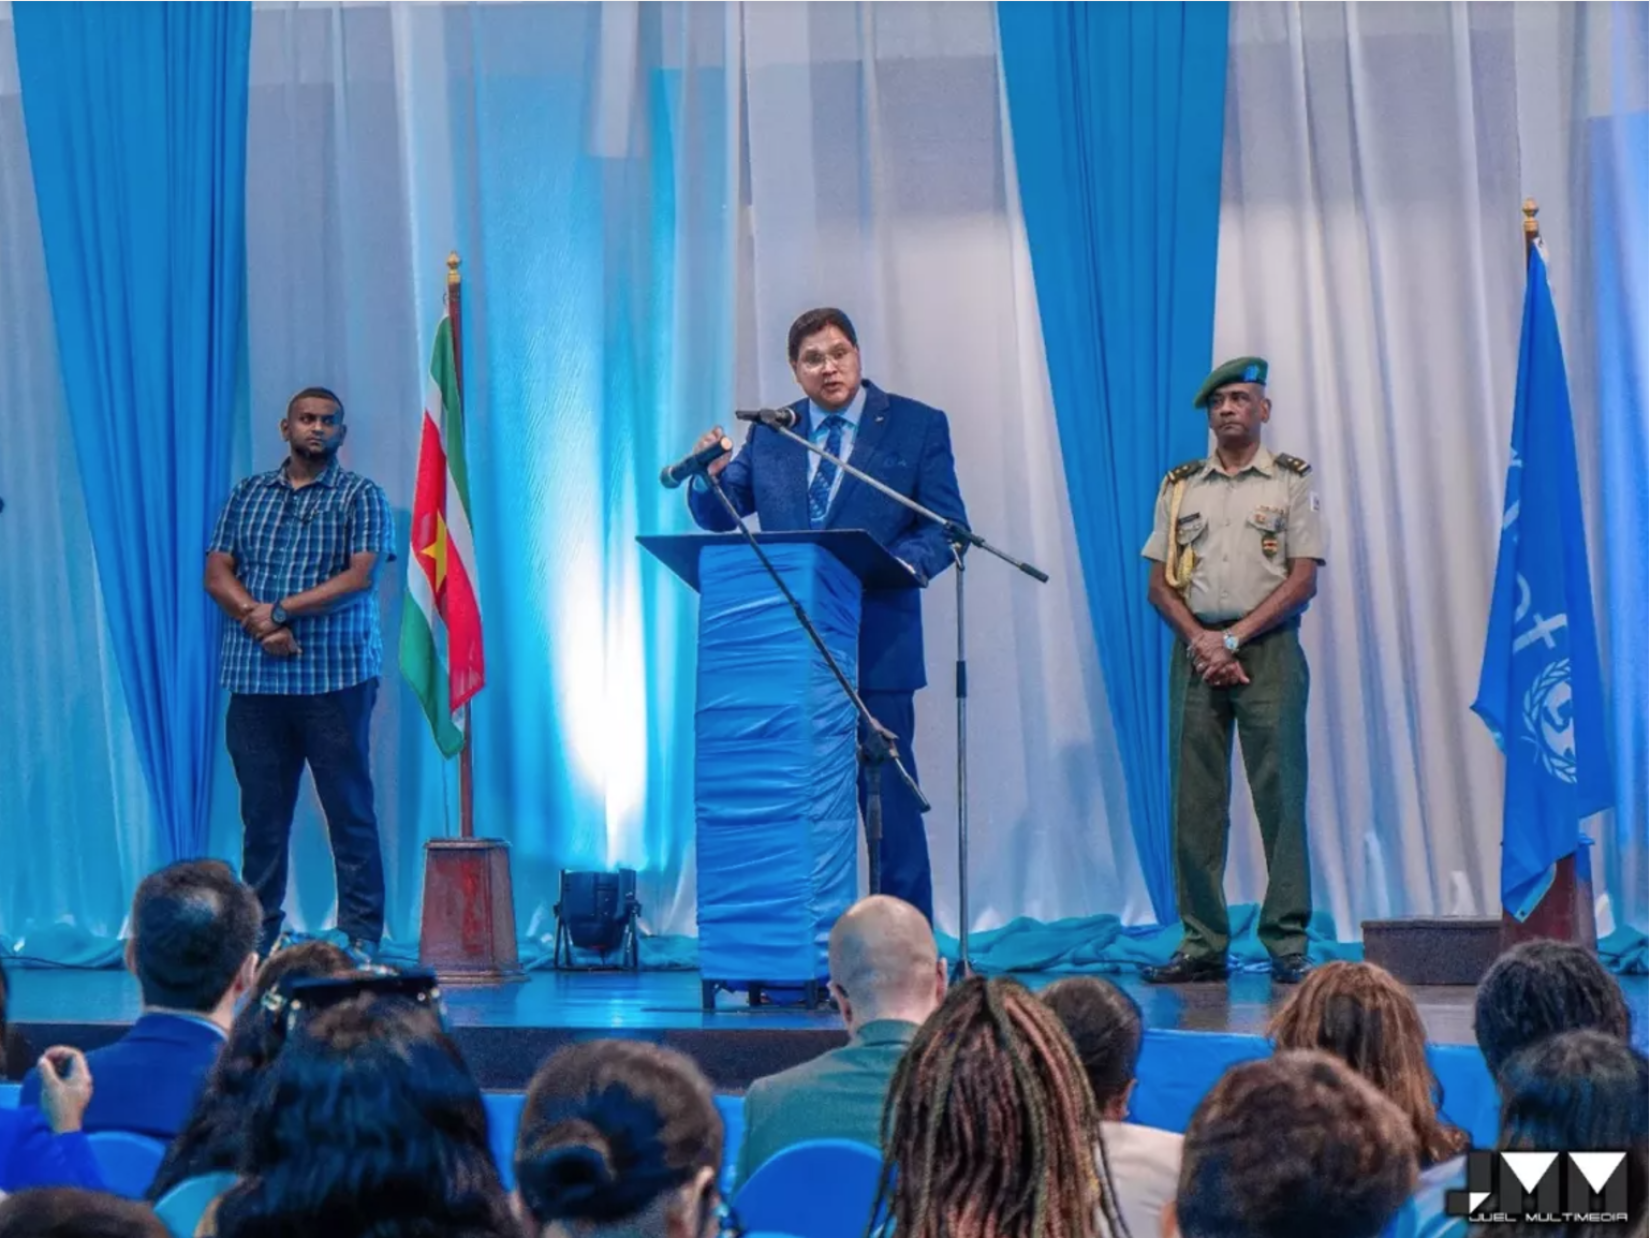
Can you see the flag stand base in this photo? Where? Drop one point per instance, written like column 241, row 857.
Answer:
column 1565, row 912
column 468, row 933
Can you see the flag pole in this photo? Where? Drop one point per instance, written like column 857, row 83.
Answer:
column 466, row 784
column 468, row 927
column 1565, row 911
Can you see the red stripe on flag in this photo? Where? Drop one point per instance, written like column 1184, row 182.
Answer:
column 429, row 498
column 466, row 663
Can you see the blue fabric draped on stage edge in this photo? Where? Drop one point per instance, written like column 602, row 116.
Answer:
column 136, row 120
column 1118, row 111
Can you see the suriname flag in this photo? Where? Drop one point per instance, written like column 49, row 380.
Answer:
column 441, row 655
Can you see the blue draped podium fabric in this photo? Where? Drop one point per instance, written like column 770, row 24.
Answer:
column 776, row 804
column 136, row 122
column 1117, row 112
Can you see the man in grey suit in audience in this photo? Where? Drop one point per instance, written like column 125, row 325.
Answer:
column 887, row 978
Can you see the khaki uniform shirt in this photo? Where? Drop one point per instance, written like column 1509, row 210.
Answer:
column 1243, row 529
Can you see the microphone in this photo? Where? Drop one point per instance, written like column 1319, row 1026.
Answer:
column 673, row 475
column 783, row 418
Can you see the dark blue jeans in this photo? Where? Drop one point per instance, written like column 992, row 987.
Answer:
column 905, row 868
column 271, row 739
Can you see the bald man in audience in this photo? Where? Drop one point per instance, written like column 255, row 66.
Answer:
column 887, row 978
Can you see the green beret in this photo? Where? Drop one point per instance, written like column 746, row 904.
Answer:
column 1237, row 370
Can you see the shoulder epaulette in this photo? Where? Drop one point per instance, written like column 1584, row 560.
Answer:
column 1181, row 472
column 1293, row 463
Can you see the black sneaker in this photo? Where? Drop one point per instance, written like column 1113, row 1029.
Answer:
column 1187, row 969
column 1290, row 968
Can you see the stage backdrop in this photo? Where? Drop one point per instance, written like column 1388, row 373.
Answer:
column 645, row 195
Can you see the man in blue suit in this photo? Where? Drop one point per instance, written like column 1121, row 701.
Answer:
column 193, row 950
column 906, row 446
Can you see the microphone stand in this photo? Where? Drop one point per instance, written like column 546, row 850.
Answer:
column 960, row 536
column 878, row 748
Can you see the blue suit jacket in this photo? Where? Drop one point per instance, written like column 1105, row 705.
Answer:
column 906, row 446
column 31, row 1155
column 148, row 1080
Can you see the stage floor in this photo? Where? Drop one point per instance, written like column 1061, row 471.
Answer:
column 505, row 1032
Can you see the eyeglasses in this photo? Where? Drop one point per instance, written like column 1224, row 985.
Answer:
column 296, row 999
column 813, row 362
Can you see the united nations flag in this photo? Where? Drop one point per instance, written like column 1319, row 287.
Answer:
column 1539, row 689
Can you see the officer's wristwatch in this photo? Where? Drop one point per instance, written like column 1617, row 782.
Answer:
column 1229, row 640
column 279, row 615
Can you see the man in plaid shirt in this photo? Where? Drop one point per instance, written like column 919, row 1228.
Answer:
column 293, row 563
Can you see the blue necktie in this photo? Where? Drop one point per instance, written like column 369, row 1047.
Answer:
column 819, row 490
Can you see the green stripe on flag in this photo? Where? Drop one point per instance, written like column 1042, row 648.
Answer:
column 422, row 667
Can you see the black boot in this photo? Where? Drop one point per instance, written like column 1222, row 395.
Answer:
column 1187, row 969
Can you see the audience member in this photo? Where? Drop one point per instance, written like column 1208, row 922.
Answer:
column 45, row 1146
column 1359, row 1013
column 194, row 933
column 1576, row 1092
column 1292, row 1146
column 214, row 1138
column 887, row 977
column 1105, row 1028
column 989, row 1126
column 1539, row 989
column 368, row 1122
column 65, row 1213
column 1532, row 992
column 618, row 1137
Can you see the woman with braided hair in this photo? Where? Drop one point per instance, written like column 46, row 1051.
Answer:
column 989, row 1127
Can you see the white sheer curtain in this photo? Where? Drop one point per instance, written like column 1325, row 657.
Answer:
column 568, row 152
column 645, row 197
column 1376, row 159
column 880, row 180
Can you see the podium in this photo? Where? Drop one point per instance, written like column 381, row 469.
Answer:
column 776, row 807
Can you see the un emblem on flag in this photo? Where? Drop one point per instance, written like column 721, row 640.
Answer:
column 1550, row 721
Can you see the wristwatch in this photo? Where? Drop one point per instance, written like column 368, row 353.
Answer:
column 281, row 618
column 1230, row 640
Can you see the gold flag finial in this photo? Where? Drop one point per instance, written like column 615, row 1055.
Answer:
column 1532, row 229
column 452, row 267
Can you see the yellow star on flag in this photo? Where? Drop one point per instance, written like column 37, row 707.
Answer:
column 437, row 550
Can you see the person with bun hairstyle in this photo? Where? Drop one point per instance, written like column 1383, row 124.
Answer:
column 619, row 1137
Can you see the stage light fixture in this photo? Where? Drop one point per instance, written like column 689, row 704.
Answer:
column 596, row 913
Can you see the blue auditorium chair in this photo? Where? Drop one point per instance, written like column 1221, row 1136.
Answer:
column 820, row 1189
column 127, row 1162
column 181, row 1208
column 732, row 1109
column 503, row 1120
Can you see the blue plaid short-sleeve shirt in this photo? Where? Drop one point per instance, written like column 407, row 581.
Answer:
column 287, row 540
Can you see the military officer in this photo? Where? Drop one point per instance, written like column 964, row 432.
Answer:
column 1235, row 547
